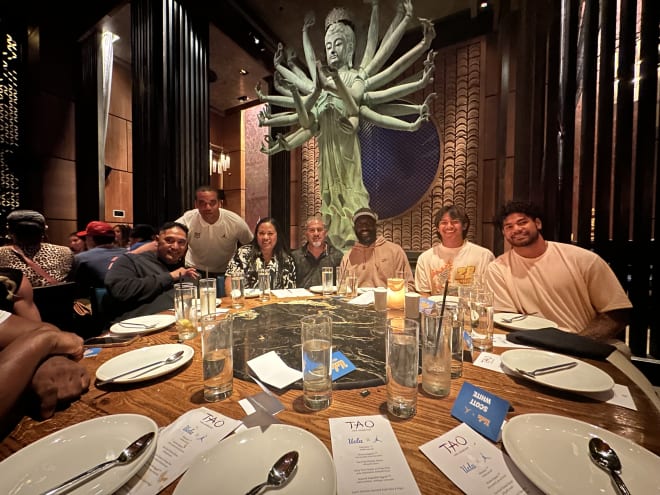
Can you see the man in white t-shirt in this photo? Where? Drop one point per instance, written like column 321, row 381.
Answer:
column 567, row 284
column 214, row 233
column 454, row 257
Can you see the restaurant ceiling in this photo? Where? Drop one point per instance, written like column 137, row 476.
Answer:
column 236, row 25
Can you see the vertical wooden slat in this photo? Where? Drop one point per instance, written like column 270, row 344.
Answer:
column 170, row 99
column 586, row 70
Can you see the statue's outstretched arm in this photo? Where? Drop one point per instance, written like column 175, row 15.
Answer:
column 277, row 120
column 387, row 95
column 397, row 109
column 390, row 42
column 292, row 63
column 372, row 34
column 279, row 100
column 351, row 97
column 310, row 57
column 398, row 17
column 304, row 84
column 304, row 117
column 394, row 123
column 406, row 60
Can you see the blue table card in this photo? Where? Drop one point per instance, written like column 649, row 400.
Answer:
column 483, row 411
column 340, row 365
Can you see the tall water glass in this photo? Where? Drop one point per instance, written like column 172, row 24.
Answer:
column 264, row 285
column 237, row 280
column 326, row 280
column 351, row 284
column 207, row 296
column 436, row 352
column 481, row 314
column 185, row 308
column 217, row 358
column 401, row 366
column 316, row 338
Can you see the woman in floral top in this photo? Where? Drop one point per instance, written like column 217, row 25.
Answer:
column 267, row 250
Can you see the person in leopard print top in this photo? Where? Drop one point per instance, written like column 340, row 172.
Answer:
column 41, row 262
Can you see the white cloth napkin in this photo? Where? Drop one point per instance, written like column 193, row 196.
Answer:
column 363, row 299
column 271, row 369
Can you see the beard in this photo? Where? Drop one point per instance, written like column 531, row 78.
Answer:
column 527, row 240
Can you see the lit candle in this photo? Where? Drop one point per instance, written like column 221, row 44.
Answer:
column 396, row 292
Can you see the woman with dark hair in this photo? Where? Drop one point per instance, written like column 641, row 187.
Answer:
column 121, row 234
column 267, row 250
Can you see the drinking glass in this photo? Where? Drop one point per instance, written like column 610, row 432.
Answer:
column 316, row 338
column 207, row 296
column 237, row 290
column 217, row 358
column 481, row 316
column 436, row 353
column 351, row 284
column 326, row 280
column 185, row 308
column 380, row 299
column 264, row 285
column 401, row 366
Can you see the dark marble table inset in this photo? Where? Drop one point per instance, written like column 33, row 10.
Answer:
column 357, row 331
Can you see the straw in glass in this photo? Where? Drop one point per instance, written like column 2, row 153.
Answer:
column 442, row 315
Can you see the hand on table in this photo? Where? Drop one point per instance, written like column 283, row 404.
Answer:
column 58, row 380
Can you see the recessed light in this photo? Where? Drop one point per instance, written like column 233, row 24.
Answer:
column 243, row 72
column 243, row 98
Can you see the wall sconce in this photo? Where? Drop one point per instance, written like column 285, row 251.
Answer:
column 219, row 161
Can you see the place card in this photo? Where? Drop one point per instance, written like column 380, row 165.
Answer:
column 341, row 365
column 475, row 465
column 489, row 361
column 368, row 457
column 179, row 444
column 483, row 411
column 271, row 369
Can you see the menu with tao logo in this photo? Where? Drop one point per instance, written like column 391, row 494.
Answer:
column 475, row 465
column 368, row 457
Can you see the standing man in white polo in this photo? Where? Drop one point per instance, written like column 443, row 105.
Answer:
column 214, row 233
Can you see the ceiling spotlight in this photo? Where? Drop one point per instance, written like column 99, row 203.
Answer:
column 256, row 40
column 243, row 72
column 243, row 98
column 483, row 5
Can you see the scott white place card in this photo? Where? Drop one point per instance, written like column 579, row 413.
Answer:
column 368, row 457
column 475, row 465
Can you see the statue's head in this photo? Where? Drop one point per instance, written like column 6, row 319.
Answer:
column 339, row 38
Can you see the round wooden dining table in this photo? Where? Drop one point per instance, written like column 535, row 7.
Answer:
column 167, row 397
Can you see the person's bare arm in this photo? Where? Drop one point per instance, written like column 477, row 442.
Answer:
column 58, row 380
column 22, row 356
column 607, row 325
column 24, row 302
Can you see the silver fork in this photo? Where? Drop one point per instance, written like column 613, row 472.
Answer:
column 129, row 324
column 514, row 318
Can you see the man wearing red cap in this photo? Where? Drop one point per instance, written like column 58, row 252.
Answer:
column 91, row 266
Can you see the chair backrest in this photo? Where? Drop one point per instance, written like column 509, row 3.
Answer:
column 55, row 304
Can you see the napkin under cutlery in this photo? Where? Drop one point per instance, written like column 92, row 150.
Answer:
column 557, row 340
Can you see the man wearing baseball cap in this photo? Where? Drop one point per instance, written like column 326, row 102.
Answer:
column 91, row 266
column 373, row 258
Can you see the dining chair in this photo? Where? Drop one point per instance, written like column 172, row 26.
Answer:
column 55, row 304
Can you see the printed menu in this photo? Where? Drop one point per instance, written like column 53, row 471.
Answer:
column 179, row 444
column 475, row 465
column 368, row 457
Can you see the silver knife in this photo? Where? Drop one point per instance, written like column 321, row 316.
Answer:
column 172, row 359
column 548, row 369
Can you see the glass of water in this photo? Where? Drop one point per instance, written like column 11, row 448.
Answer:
column 264, row 285
column 401, row 366
column 316, row 337
column 217, row 358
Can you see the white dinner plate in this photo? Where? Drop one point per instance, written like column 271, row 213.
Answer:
column 529, row 322
column 140, row 357
column 582, row 378
column 243, row 460
column 142, row 324
column 318, row 289
column 252, row 293
column 218, row 301
column 46, row 463
column 553, row 452
column 451, row 300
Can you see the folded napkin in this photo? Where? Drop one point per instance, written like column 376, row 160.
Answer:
column 557, row 340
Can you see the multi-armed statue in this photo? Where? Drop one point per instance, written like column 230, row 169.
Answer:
column 328, row 101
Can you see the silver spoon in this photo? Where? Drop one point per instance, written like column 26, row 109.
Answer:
column 605, row 457
column 514, row 318
column 127, row 455
column 279, row 473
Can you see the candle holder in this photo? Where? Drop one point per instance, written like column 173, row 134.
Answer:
column 396, row 292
